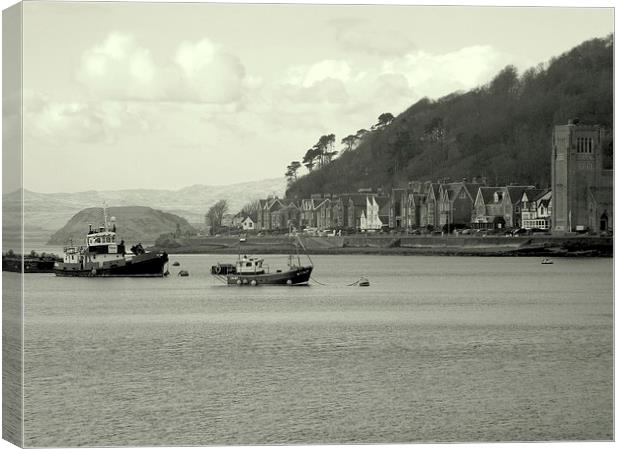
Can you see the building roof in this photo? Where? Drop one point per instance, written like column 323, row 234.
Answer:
column 488, row 192
column 516, row 192
column 359, row 199
column 534, row 194
column 472, row 189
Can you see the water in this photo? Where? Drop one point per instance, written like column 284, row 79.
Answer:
column 436, row 349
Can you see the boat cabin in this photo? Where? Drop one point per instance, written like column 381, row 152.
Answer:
column 103, row 242
column 250, row 265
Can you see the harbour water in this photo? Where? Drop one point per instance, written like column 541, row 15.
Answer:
column 436, row 349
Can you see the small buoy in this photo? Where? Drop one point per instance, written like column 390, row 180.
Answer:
column 253, row 282
column 289, row 282
column 183, row 273
column 176, row 264
column 238, row 281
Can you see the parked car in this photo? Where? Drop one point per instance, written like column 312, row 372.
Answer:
column 520, row 231
column 467, row 231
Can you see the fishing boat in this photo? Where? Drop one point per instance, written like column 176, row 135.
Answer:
column 103, row 256
column 253, row 271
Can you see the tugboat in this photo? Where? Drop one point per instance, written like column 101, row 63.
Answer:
column 103, row 256
column 252, row 271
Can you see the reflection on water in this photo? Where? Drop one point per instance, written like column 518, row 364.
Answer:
column 436, row 349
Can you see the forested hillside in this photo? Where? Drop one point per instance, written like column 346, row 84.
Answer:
column 501, row 131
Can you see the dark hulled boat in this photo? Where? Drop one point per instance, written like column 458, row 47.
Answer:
column 28, row 264
column 252, row 271
column 103, row 256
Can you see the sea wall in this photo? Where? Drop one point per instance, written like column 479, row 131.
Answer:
column 391, row 244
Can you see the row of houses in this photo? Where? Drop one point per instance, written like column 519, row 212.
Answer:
column 580, row 198
column 419, row 205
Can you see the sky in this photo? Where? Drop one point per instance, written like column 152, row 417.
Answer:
column 166, row 95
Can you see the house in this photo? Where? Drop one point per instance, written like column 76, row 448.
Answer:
column 415, row 210
column 247, row 224
column 384, row 211
column 356, row 207
column 488, row 210
column 267, row 219
column 397, row 218
column 456, row 203
column 498, row 207
column 535, row 209
column 376, row 215
column 512, row 205
column 339, row 211
column 323, row 214
column 432, row 205
column 285, row 217
column 308, row 217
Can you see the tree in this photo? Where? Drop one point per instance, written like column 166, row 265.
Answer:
column 251, row 209
column 384, row 120
column 349, row 142
column 291, row 171
column 309, row 158
column 213, row 217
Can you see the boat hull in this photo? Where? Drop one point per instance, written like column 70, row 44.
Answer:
column 143, row 265
column 294, row 276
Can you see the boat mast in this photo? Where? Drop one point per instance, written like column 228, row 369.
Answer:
column 105, row 216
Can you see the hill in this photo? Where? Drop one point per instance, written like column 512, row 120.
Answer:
column 134, row 224
column 501, row 131
column 45, row 213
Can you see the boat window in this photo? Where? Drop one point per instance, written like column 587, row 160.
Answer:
column 107, row 239
column 249, row 264
column 98, row 240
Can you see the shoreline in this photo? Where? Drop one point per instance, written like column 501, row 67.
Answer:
column 544, row 246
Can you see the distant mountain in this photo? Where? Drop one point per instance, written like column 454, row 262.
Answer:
column 45, row 213
column 135, row 224
column 500, row 131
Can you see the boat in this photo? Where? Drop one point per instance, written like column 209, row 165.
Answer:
column 183, row 273
column 547, row 261
column 28, row 264
column 363, row 282
column 253, row 271
column 103, row 256
column 176, row 264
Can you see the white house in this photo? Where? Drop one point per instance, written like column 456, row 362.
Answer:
column 248, row 224
column 369, row 220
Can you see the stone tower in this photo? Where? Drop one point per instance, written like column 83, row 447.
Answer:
column 576, row 167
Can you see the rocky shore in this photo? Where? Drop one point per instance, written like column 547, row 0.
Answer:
column 538, row 246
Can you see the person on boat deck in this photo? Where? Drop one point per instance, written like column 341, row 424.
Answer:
column 121, row 247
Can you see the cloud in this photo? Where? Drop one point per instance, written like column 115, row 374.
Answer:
column 120, row 69
column 435, row 75
column 57, row 122
column 365, row 37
